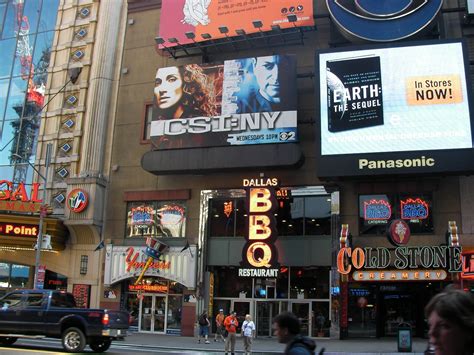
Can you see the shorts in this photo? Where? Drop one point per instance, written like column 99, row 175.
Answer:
column 203, row 330
column 220, row 330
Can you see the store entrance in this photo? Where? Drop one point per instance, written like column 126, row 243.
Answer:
column 303, row 311
column 266, row 311
column 152, row 313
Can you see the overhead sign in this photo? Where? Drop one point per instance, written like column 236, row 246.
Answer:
column 18, row 230
column 179, row 17
column 382, row 116
column 383, row 20
column 467, row 272
column 259, row 255
column 238, row 102
column 18, row 192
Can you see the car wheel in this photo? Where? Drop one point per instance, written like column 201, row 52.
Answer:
column 100, row 345
column 73, row 340
column 7, row 341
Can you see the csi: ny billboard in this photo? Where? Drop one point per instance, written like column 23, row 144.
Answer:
column 238, row 102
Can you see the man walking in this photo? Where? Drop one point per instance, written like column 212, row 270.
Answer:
column 286, row 327
column 231, row 323
column 220, row 325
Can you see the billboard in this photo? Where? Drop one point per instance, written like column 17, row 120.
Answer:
column 238, row 102
column 206, row 16
column 389, row 110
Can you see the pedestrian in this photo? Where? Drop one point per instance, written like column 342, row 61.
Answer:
column 286, row 327
column 220, row 329
column 231, row 323
column 203, row 327
column 248, row 333
column 450, row 317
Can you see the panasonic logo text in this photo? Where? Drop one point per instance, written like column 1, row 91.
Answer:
column 365, row 164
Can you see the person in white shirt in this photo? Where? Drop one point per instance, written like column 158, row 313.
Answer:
column 248, row 333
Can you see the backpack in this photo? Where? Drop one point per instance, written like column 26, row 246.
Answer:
column 202, row 320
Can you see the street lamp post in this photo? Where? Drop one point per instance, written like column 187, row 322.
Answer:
column 39, row 241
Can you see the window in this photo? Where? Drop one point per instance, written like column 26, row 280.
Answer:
column 377, row 211
column 34, row 299
column 11, row 301
column 14, row 275
column 165, row 219
column 295, row 215
column 147, row 122
column 63, row 300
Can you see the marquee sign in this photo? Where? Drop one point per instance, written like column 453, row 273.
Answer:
column 259, row 255
column 19, row 193
column 19, row 230
column 410, row 263
column 467, row 272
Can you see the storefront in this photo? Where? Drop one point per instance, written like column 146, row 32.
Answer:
column 163, row 301
column 18, row 237
column 302, row 280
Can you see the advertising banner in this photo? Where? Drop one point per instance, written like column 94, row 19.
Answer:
column 206, row 16
column 238, row 102
column 411, row 99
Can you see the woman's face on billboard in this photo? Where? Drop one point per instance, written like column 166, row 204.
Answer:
column 168, row 87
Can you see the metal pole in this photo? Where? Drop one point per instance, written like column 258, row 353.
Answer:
column 39, row 241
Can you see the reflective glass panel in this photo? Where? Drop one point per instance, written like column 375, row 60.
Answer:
column 7, row 49
column 9, row 26
column 20, row 275
column 31, row 14
column 4, row 275
column 48, row 15
column 175, row 306
column 16, row 98
column 317, row 215
column 309, row 283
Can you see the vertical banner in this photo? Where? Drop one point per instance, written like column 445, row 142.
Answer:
column 41, row 276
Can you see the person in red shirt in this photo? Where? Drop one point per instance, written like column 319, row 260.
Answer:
column 231, row 323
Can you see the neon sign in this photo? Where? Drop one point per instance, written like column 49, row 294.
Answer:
column 228, row 207
column 259, row 256
column 19, row 230
column 467, row 272
column 414, row 209
column 142, row 216
column 377, row 210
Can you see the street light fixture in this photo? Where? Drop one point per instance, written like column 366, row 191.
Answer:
column 43, row 209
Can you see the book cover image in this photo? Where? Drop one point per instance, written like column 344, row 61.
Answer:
column 354, row 93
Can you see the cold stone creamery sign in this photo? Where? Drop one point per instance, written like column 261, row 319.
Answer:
column 259, row 256
column 410, row 263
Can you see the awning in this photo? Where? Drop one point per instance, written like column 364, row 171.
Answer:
column 124, row 262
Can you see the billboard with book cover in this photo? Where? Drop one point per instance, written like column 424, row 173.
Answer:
column 394, row 110
column 238, row 102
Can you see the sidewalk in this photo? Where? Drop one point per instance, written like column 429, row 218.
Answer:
column 270, row 345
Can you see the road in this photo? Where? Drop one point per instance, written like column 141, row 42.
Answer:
column 51, row 346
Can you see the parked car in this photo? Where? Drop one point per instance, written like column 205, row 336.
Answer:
column 48, row 313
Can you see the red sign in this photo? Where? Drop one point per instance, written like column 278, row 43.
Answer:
column 10, row 193
column 77, row 200
column 133, row 262
column 81, row 294
column 149, row 288
column 399, row 232
column 41, row 275
column 19, row 230
column 467, row 272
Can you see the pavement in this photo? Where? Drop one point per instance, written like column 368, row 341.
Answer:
column 266, row 345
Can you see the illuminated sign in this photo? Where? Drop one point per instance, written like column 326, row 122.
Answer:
column 206, row 17
column 414, row 209
column 397, row 275
column 19, row 206
column 77, row 200
column 383, row 20
column 377, row 210
column 467, row 272
column 136, row 262
column 238, row 102
column 19, row 230
column 148, row 288
column 398, row 232
column 10, row 193
column 381, row 116
column 259, row 255
column 402, row 258
column 142, row 216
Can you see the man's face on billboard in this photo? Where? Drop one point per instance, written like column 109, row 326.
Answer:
column 266, row 73
column 168, row 87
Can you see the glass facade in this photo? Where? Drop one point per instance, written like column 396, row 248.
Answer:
column 26, row 36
